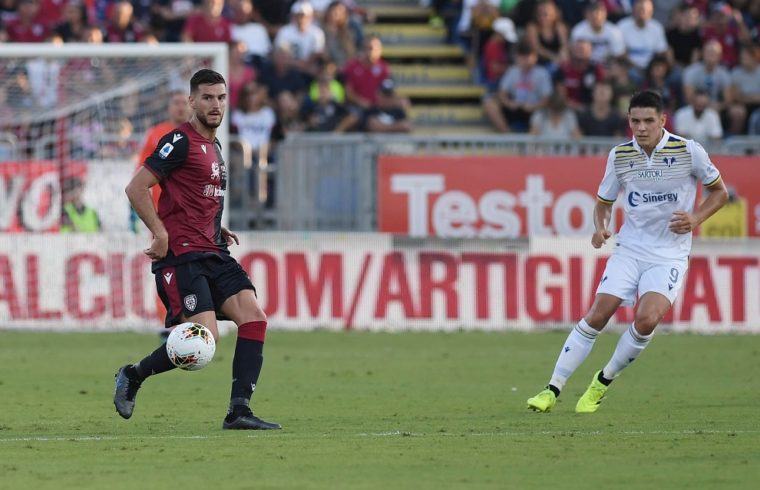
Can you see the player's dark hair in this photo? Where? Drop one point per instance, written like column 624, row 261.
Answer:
column 647, row 98
column 205, row 77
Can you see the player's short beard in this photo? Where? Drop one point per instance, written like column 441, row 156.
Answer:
column 203, row 120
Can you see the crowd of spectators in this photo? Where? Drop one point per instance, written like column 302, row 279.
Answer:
column 563, row 68
column 567, row 67
column 293, row 65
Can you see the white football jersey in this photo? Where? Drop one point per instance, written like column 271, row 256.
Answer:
column 653, row 189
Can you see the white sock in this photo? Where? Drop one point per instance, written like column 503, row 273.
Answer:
column 629, row 347
column 577, row 347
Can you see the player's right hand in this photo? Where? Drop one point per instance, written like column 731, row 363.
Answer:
column 600, row 238
column 159, row 247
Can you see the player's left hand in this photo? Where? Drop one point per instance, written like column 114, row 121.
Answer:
column 683, row 222
column 230, row 237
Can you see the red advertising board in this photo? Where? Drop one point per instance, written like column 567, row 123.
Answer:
column 30, row 194
column 102, row 281
column 507, row 197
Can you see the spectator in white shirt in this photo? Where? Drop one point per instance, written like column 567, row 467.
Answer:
column 709, row 75
column 253, row 34
column 643, row 36
column 253, row 118
column 303, row 39
column 698, row 121
column 605, row 37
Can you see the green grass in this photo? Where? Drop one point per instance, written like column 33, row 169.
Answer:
column 365, row 410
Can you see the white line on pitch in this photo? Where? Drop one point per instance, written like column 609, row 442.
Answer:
column 395, row 433
column 99, row 438
column 557, row 432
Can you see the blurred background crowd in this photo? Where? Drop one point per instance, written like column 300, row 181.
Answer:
column 557, row 68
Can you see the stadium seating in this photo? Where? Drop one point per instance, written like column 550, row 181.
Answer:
column 428, row 71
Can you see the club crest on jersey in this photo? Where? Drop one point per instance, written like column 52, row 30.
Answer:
column 191, row 301
column 215, row 173
column 669, row 161
column 203, row 147
column 165, row 151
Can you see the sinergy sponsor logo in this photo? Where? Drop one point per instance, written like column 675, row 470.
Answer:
column 636, row 198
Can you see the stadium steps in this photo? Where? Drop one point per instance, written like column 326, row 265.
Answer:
column 406, row 34
column 458, row 129
column 436, row 74
column 431, row 73
column 432, row 52
column 447, row 115
column 426, row 91
column 386, row 12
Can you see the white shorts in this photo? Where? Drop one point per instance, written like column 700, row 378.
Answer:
column 626, row 277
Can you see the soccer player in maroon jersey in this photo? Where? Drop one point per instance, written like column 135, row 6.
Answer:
column 197, row 279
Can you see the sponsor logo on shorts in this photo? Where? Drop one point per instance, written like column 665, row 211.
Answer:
column 191, row 301
column 636, row 198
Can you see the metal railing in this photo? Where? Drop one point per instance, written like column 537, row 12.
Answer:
column 8, row 147
column 328, row 181
column 250, row 180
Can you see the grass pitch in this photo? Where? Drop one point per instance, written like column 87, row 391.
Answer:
column 367, row 410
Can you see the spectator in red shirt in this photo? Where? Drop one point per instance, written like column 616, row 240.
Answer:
column 121, row 26
column 168, row 18
column 239, row 73
column 363, row 75
column 577, row 76
column 208, row 25
column 496, row 52
column 25, row 28
column 726, row 26
column 51, row 12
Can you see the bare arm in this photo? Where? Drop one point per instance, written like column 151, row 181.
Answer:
column 505, row 100
column 348, row 122
column 353, row 98
column 531, row 34
column 538, row 105
column 375, row 126
column 564, row 35
column 683, row 222
column 138, row 192
column 602, row 216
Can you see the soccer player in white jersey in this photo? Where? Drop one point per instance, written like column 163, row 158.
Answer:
column 657, row 174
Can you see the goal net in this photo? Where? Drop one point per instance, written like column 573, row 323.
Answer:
column 73, row 120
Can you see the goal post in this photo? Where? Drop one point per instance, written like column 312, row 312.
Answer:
column 73, row 120
column 79, row 109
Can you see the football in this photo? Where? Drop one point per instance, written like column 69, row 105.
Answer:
column 190, row 346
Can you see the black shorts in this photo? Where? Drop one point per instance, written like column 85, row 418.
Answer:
column 199, row 285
